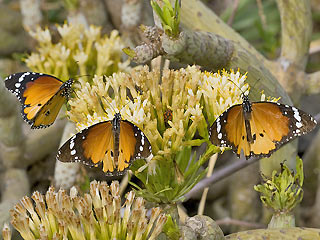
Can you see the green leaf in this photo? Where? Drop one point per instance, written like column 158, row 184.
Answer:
column 130, row 52
column 171, row 228
column 169, row 17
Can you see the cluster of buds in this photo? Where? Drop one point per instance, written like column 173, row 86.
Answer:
column 282, row 192
column 97, row 215
column 79, row 50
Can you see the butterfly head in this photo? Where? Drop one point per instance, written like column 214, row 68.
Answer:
column 246, row 104
column 116, row 121
column 67, row 88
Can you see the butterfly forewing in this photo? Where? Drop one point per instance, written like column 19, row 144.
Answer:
column 38, row 94
column 88, row 146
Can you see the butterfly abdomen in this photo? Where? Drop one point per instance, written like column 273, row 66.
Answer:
column 116, row 138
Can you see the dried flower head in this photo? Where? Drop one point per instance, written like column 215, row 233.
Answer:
column 97, row 215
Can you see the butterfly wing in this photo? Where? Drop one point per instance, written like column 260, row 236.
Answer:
column 229, row 131
column 49, row 111
column 34, row 90
column 95, row 145
column 133, row 144
column 274, row 124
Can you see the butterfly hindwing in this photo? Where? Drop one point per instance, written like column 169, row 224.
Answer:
column 142, row 148
column 271, row 125
column 38, row 93
column 95, row 145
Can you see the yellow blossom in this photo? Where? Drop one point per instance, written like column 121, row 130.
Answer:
column 42, row 36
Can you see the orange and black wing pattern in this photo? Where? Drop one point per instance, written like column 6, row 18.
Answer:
column 101, row 144
column 271, row 125
column 40, row 95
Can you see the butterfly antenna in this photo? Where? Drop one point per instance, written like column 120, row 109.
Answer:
column 75, row 93
column 75, row 78
column 242, row 93
column 101, row 103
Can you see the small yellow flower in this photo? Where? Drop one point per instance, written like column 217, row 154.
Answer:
column 34, row 61
column 64, row 53
column 93, row 32
column 81, row 57
column 42, row 36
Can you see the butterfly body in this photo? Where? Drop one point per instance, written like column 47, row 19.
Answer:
column 41, row 96
column 115, row 144
column 116, row 122
column 259, row 128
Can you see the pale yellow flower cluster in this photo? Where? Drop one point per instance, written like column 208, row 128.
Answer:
column 79, row 50
column 192, row 99
column 225, row 88
column 97, row 215
column 86, row 109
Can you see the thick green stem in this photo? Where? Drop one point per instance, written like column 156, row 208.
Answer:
column 282, row 220
column 195, row 15
column 11, row 135
column 296, row 30
column 313, row 83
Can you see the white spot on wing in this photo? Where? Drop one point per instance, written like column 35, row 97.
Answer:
column 297, row 116
column 218, row 127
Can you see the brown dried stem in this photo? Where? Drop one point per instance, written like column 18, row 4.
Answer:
column 234, row 11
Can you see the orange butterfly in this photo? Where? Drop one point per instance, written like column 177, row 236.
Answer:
column 258, row 129
column 41, row 96
column 115, row 143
